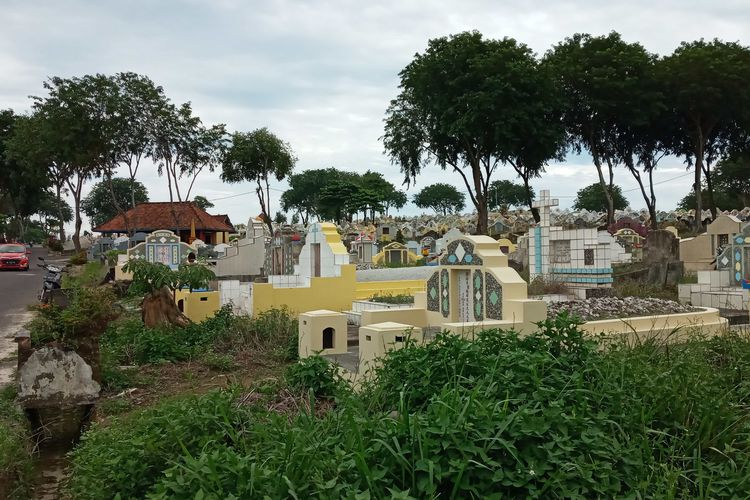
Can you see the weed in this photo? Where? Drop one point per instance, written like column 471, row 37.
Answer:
column 78, row 259
column 116, row 406
column 219, row 362
column 316, row 375
column 15, row 450
column 553, row 414
column 90, row 275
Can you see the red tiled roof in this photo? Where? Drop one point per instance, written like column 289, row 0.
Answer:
column 152, row 216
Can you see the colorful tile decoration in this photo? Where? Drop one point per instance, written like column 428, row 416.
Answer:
column 478, row 295
column 494, row 294
column 460, row 253
column 433, row 292
column 445, row 293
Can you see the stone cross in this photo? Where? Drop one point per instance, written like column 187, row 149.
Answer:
column 544, row 204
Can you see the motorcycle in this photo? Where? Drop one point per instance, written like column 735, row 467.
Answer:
column 52, row 280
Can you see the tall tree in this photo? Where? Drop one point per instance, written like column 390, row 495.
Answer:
column 599, row 77
column 98, row 206
column 22, row 183
column 460, row 105
column 69, row 135
column 256, row 157
column 593, row 198
column 504, row 194
column 184, row 147
column 706, row 86
column 442, row 198
column 304, row 192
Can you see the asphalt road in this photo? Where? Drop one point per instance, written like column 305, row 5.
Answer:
column 17, row 291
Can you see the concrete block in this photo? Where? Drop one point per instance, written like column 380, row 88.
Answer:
column 323, row 332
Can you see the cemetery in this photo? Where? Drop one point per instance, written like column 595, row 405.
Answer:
column 526, row 275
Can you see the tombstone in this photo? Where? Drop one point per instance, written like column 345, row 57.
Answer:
column 165, row 247
column 221, row 249
column 121, row 243
column 362, row 249
column 244, row 258
column 662, row 253
column 573, row 257
column 282, row 252
column 137, row 238
column 628, row 222
column 736, row 258
column 414, row 247
column 99, row 247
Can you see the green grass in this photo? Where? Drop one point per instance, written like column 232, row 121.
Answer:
column 15, row 449
column 89, row 275
column 392, row 299
column 549, row 415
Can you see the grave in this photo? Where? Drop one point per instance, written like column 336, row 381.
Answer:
column 632, row 241
column 282, row 252
column 574, row 257
column 99, row 247
column 698, row 253
column 245, row 258
column 662, row 253
column 472, row 289
column 727, row 287
column 395, row 254
column 161, row 246
column 363, row 249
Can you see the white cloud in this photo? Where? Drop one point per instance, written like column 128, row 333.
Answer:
column 321, row 73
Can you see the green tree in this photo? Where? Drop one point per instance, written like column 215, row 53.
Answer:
column 280, row 218
column 504, row 194
column 593, row 198
column 706, row 85
column 22, row 184
column 442, row 198
column 303, row 194
column 98, row 206
column 462, row 104
column 184, row 147
column 258, row 156
column 385, row 194
column 731, row 186
column 600, row 77
column 202, row 202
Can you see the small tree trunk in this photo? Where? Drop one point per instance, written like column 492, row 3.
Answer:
column 530, row 202
column 710, row 190
column 159, row 309
column 698, row 223
column 482, row 215
column 58, row 188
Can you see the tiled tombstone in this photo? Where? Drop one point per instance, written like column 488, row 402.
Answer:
column 165, row 247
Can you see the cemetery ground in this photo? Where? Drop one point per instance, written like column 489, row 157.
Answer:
column 219, row 408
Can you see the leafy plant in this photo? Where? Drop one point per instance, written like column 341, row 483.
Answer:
column 15, row 451
column 314, row 374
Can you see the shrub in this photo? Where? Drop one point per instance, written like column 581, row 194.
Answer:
column 15, row 450
column 393, row 299
column 219, row 362
column 551, row 414
column 78, row 259
column 129, row 456
column 314, row 374
column 87, row 315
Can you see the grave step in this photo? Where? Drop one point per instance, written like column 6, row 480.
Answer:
column 735, row 316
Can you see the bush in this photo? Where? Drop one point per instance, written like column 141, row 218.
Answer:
column 316, row 375
column 129, row 456
column 87, row 315
column 392, row 299
column 15, row 449
column 551, row 414
column 78, row 259
column 55, row 245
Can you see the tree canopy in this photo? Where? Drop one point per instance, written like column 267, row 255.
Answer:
column 504, row 194
column 442, row 198
column 592, row 198
column 202, row 202
column 465, row 104
column 333, row 194
column 98, row 206
column 258, row 156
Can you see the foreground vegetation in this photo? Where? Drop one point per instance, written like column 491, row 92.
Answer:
column 15, row 448
column 549, row 415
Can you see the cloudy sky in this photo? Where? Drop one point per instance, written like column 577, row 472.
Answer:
column 320, row 73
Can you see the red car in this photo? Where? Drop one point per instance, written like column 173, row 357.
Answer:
column 14, row 256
